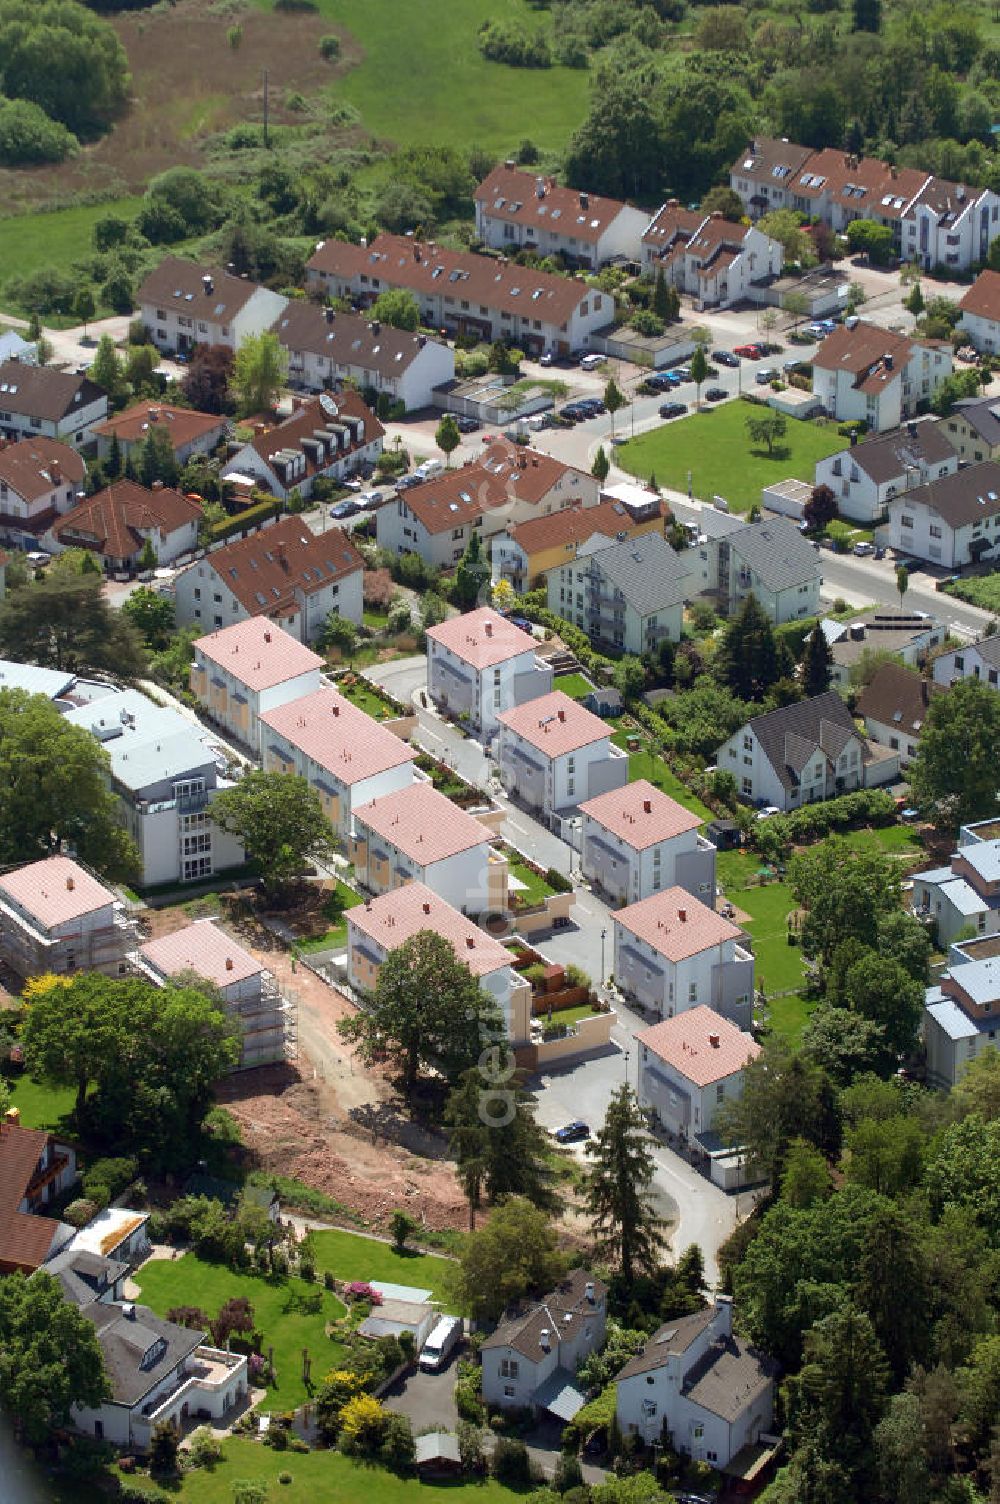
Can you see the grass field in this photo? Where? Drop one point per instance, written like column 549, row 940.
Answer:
column 316, row 1478
column 339, row 901
column 189, row 1280
column 352, row 1256
column 984, row 591
column 422, row 79
column 577, row 686
column 714, row 447
column 644, row 764
column 41, row 1106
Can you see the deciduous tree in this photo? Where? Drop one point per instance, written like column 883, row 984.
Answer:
column 513, row 1255
column 280, row 820
column 63, row 621
column 767, row 429
column 259, row 371
column 955, row 776
column 845, row 893
column 50, row 1359
column 398, row 308
column 447, row 436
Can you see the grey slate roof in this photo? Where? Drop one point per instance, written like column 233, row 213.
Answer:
column 672, row 1339
column 647, row 572
column 728, row 1378
column 523, row 1331
column 436, row 1446
column 968, row 496
column 84, row 1276
column 823, row 721
column 777, row 553
column 125, row 1340
column 346, row 338
column 886, row 456
column 983, row 415
column 988, row 649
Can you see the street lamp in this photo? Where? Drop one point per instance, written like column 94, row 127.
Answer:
column 604, row 934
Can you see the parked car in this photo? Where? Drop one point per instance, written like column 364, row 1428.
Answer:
column 466, row 424
column 446, row 1335
column 767, row 375
column 368, row 499
column 673, row 409
column 716, row 394
column 768, row 811
column 38, row 560
column 591, row 362
column 344, row 509
column 406, row 481
column 546, row 358
column 683, row 373
column 726, row 358
column 863, row 549
column 571, row 1133
column 748, row 352
column 660, row 381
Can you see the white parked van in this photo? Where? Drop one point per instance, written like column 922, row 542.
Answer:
column 430, row 468
column 443, row 1339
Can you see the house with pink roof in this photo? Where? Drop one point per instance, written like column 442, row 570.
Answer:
column 417, row 835
column 636, row 841
column 345, row 754
column 243, row 670
column 376, row 928
column 553, row 754
column 479, row 665
column 248, row 990
column 690, row 1066
column 673, row 953
column 56, row 916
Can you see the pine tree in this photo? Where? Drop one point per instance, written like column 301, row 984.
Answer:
column 747, row 659
column 113, row 464
column 497, row 1143
column 618, row 1187
column 661, row 296
column 472, row 576
column 817, row 663
column 601, row 464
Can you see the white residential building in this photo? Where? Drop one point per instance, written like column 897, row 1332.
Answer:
column 327, row 349
column 465, row 293
column 950, row 226
column 526, row 551
column 690, row 1067
column 479, row 665
column 950, row 522
column 636, row 840
column 893, row 706
column 39, row 480
column 980, row 306
column 248, row 990
column 519, row 211
column 324, row 438
column 242, row 671
column 977, row 660
column 865, row 477
column 701, row 1386
column 165, row 771
column 553, row 754
column 343, row 753
column 183, row 304
column 965, row 893
column 376, row 928
column 867, row 373
column 41, row 402
column 673, row 952
column 117, row 523
column 188, row 432
column 770, row 560
column 55, row 916
column 416, row 834
column 530, row 1361
column 962, row 1011
column 628, row 596
column 713, row 260
column 285, row 573
column 803, row 752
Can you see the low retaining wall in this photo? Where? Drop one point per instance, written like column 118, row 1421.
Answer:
column 590, row 1034
column 544, row 916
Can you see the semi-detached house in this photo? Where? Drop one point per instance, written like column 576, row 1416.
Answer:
column 865, row 477
column 183, row 304
column 525, row 551
column 712, row 259
column 481, row 664
column 673, row 952
column 466, row 294
column 973, row 428
column 38, row 401
column 636, row 840
column 323, row 438
column 244, row 670
column 284, row 572
column 980, row 306
column 868, row 373
column 39, row 480
column 976, row 660
column 344, row 754
column 951, row 522
column 522, row 211
column 553, row 754
column 894, row 705
column 327, row 349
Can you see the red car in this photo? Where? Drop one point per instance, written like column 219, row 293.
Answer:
column 749, row 352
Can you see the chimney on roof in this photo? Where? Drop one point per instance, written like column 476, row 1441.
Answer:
column 561, row 714
column 545, row 1339
column 267, row 638
column 207, row 284
column 716, row 214
column 376, row 327
column 588, row 1291
column 229, row 963
column 426, row 908
column 335, row 709
column 584, row 200
column 539, row 187
column 279, row 549
column 887, row 362
column 713, row 1040
column 893, row 170
column 70, row 883
column 673, row 203
column 488, row 628
column 470, row 942
column 682, row 915
column 647, row 806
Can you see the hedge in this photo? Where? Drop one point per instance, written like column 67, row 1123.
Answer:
column 814, row 821
column 253, row 516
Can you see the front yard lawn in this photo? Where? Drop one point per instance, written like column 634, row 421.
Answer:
column 40, row 1105
column 575, row 685
column 714, row 448
column 982, row 591
column 365, row 698
column 351, row 1255
column 339, row 901
column 278, row 1312
column 535, row 889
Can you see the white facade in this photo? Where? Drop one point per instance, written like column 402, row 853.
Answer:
column 547, row 235
column 920, row 525
column 981, row 330
column 323, row 370
column 23, row 516
column 719, row 976
column 281, row 482
column 203, row 598
column 865, row 499
column 551, row 1338
column 977, row 660
column 627, row 871
column 75, row 427
column 841, row 766
column 721, row 263
column 461, row 879
column 188, row 324
column 554, row 784
column 885, row 402
column 954, row 239
column 340, row 797
column 480, row 693
column 580, row 594
column 965, row 894
column 237, row 706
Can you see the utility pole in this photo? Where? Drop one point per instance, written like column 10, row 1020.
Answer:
column 266, row 141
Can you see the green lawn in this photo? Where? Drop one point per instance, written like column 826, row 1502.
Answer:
column 189, row 1280
column 317, row 1478
column 41, row 1106
column 55, row 239
column 352, row 1256
column 535, row 887
column 714, row 448
column 422, row 79
column 644, row 764
column 367, row 699
column 339, row 901
column 571, row 1016
column 577, row 686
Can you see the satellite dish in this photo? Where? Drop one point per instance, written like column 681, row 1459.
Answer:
column 328, row 405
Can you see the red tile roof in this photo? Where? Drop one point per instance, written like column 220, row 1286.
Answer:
column 311, row 416
column 34, row 467
column 671, row 223
column 180, row 424
column 506, row 473
column 482, row 638
column 541, row 204
column 983, row 298
column 700, row 1045
column 640, row 814
column 114, row 522
column 396, row 916
column 206, row 950
column 421, row 823
column 658, row 920
column 864, row 351
column 338, row 736
column 572, row 526
column 267, row 570
column 55, row 891
column 25, row 1240
column 555, row 724
column 258, row 653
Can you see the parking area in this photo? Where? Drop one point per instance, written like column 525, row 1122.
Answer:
column 428, row 1399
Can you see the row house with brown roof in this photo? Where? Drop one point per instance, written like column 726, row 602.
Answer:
column 118, row 522
column 325, row 437
column 865, row 476
column 525, row 551
column 38, row 401
column 479, row 665
column 183, row 304
column 240, row 672
column 636, row 841
column 283, row 572
column 522, row 211
column 869, row 374
column 951, row 522
column 980, row 320
column 464, row 293
column 39, row 480
column 713, row 260
column 343, row 753
column 55, row 916
column 328, row 349
column 34, row 1170
column 381, row 925
column 673, row 952
column 187, row 431
column 553, row 754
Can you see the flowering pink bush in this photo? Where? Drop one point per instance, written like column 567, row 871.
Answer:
column 359, row 1289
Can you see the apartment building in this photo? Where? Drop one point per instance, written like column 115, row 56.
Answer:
column 865, row 372
column 950, row 522
column 323, row 438
column 328, row 350
column 183, row 304
column 711, row 259
column 525, row 551
column 673, row 952
column 691, row 1067
column 479, row 665
column 244, row 670
column 55, row 916
column 553, row 754
column 627, row 596
column 636, row 840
